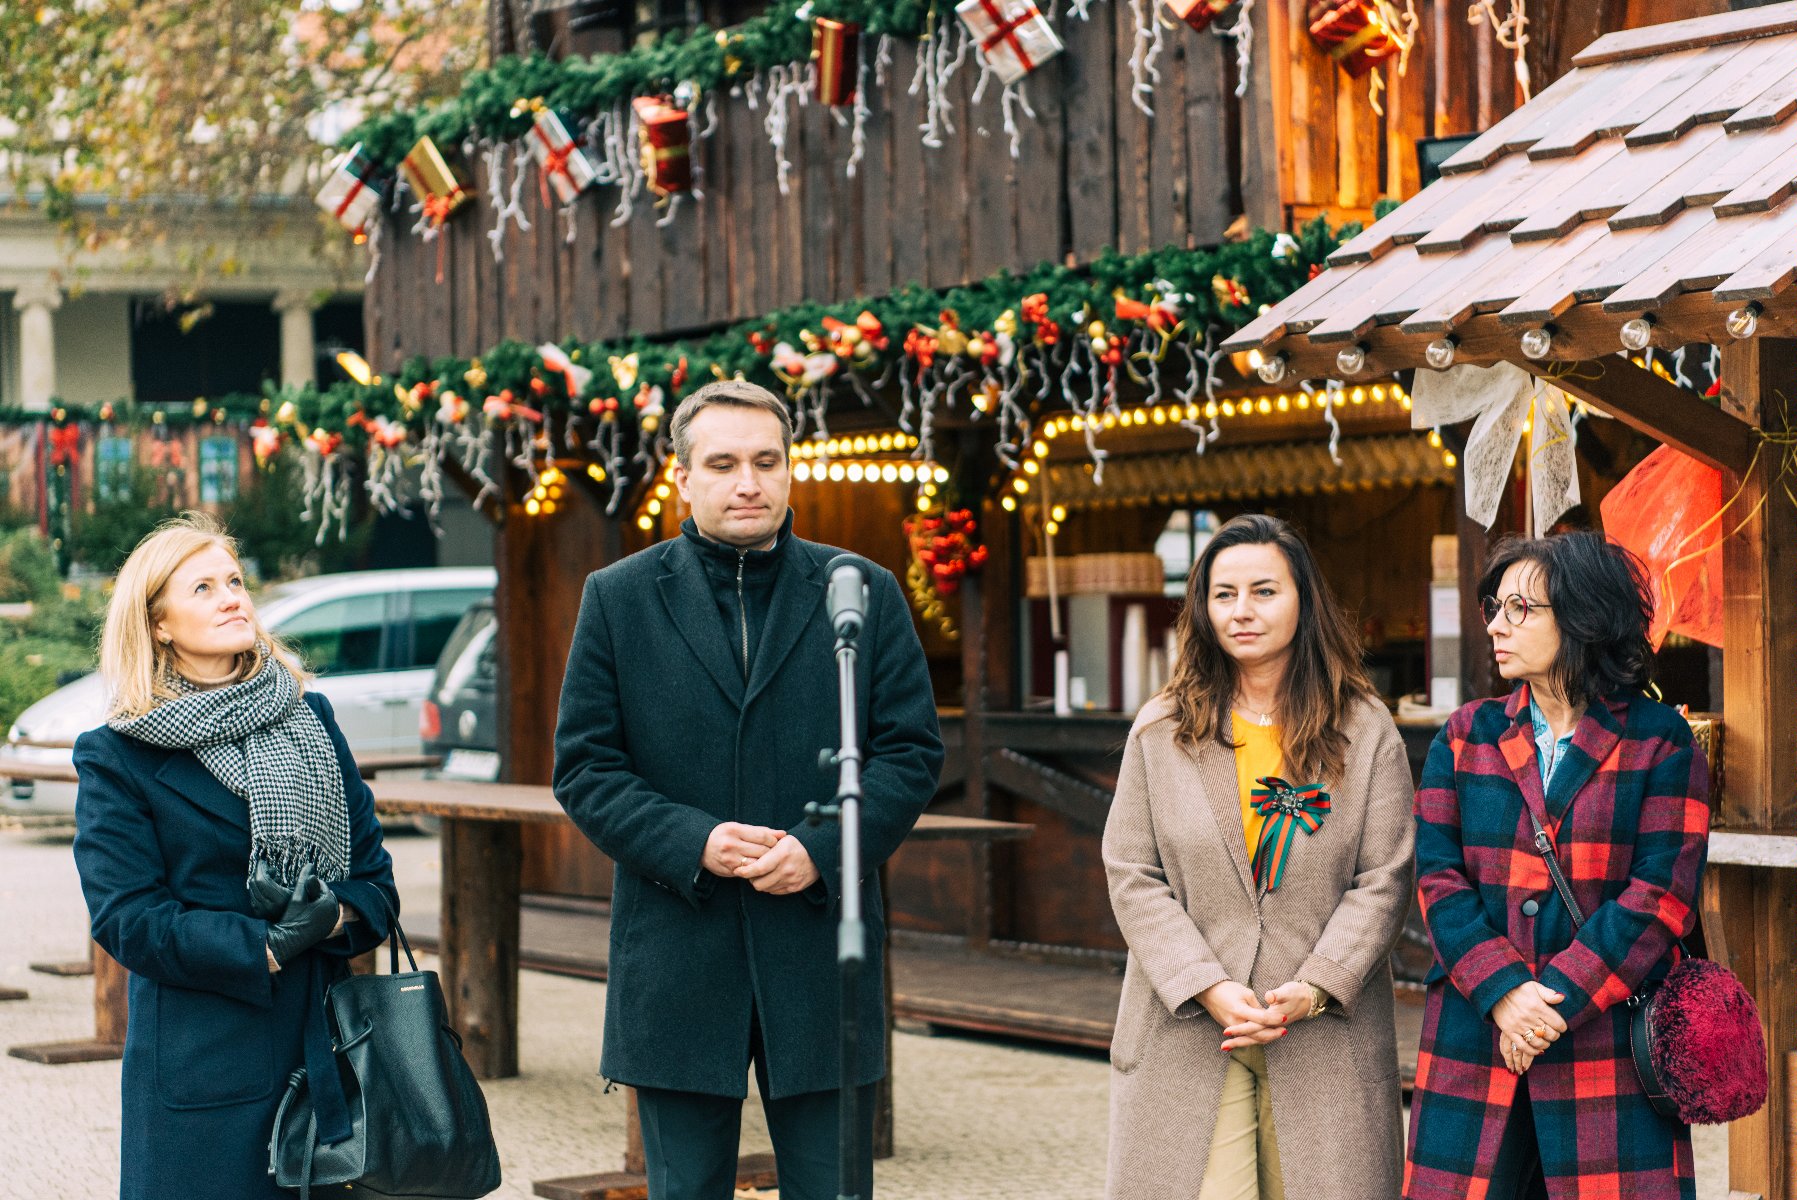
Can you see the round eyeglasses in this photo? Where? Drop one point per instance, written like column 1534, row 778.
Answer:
column 1516, row 610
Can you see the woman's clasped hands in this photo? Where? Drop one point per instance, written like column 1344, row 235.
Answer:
column 1246, row 1019
column 1527, row 1023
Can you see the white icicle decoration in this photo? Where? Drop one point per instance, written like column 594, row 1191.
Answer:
column 1144, row 75
column 1332, row 397
column 937, row 61
column 882, row 60
column 858, row 139
column 1243, row 34
column 779, row 88
column 512, row 208
column 1015, row 97
column 374, row 252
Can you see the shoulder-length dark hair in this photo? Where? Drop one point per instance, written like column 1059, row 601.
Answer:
column 1600, row 599
column 1323, row 679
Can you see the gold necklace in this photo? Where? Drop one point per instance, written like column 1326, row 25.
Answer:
column 1263, row 719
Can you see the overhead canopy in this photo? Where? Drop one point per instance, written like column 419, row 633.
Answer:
column 1653, row 180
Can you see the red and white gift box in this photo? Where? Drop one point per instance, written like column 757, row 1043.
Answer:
column 1013, row 35
column 1198, row 13
column 353, row 193
column 563, row 163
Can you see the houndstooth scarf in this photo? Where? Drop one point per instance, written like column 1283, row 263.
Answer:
column 261, row 740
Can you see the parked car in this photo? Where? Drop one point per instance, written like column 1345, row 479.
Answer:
column 372, row 638
column 459, row 718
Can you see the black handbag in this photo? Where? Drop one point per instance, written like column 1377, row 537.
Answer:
column 418, row 1120
column 1694, row 1038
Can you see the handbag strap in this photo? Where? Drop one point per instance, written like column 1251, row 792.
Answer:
column 1545, row 846
column 396, row 939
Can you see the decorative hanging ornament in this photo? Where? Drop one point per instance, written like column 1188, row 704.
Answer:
column 353, row 192
column 665, row 132
column 1353, row 33
column 1229, row 292
column 1013, row 36
column 836, row 54
column 435, row 185
column 1198, row 13
column 563, row 165
column 573, row 374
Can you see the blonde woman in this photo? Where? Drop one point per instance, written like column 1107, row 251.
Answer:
column 1259, row 860
column 232, row 863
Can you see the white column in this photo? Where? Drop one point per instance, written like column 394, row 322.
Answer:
column 37, row 304
column 299, row 354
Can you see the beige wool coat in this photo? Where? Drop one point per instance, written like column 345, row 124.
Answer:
column 1184, row 894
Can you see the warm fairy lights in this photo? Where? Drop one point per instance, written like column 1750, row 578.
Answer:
column 832, row 460
column 546, row 497
column 1228, row 408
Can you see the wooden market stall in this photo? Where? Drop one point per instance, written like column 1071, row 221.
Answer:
column 1143, row 133
column 1643, row 200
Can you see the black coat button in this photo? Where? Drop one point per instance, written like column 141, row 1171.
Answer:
column 1530, row 907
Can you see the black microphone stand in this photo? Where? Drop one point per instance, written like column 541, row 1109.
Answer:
column 851, row 933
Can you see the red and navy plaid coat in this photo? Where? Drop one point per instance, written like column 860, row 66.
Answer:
column 1628, row 810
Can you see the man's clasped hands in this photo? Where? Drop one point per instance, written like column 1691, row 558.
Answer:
column 771, row 860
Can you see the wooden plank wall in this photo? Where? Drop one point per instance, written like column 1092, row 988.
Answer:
column 1092, row 172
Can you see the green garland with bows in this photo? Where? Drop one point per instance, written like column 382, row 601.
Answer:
column 1143, row 302
column 705, row 58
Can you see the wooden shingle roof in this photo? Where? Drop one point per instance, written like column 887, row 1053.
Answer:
column 1655, row 178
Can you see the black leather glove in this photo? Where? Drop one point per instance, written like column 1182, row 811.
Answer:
column 310, row 915
column 268, row 895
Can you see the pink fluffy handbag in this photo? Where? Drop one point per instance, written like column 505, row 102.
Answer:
column 1695, row 1037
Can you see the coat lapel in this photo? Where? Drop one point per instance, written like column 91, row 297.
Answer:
column 1216, row 775
column 693, row 609
column 1594, row 739
column 1517, row 744
column 798, row 590
column 184, row 775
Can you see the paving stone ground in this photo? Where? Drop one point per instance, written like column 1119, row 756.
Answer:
column 977, row 1119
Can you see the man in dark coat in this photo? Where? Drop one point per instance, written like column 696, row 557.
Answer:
column 700, row 690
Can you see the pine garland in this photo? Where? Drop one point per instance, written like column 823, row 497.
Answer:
column 1011, row 348
column 704, row 58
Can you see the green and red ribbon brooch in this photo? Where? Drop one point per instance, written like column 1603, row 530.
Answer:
column 1287, row 809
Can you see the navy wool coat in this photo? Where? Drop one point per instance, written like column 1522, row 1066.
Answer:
column 163, row 849
column 660, row 739
column 1628, row 811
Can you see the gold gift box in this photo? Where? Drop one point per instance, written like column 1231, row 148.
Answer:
column 429, row 175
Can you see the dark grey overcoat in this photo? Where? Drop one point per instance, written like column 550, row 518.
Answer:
column 659, row 740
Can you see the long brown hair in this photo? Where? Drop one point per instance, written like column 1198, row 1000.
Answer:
column 1323, row 678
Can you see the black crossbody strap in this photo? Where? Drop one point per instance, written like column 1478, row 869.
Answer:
column 1545, row 845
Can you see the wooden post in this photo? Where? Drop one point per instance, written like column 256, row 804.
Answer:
column 1760, row 730
column 111, row 998
column 480, row 918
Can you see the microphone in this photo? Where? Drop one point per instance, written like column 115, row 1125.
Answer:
column 847, row 595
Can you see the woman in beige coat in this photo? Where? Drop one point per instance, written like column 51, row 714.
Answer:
column 1259, row 856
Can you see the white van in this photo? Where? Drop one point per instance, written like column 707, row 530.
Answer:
column 371, row 637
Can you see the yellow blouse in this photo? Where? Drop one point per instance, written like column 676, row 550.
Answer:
column 1258, row 752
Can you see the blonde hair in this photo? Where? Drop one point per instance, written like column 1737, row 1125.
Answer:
column 139, row 670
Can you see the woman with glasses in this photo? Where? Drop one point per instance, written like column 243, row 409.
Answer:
column 1524, row 1077
column 1259, row 855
